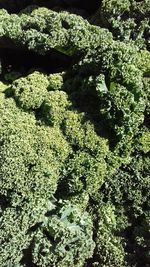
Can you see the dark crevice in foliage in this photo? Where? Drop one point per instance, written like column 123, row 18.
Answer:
column 4, row 202
column 147, row 121
column 90, row 5
column 15, row 6
column 27, row 257
column 49, row 237
column 74, row 6
column 34, row 227
column 24, row 61
column 134, row 250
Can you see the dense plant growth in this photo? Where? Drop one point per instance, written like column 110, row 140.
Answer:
column 75, row 142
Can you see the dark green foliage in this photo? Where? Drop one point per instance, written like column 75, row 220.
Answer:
column 55, row 106
column 127, row 20
column 59, row 236
column 131, row 184
column 84, row 172
column 74, row 144
column 64, row 238
column 35, row 153
column 30, row 153
column 41, row 29
column 30, row 92
column 109, row 250
column 129, row 188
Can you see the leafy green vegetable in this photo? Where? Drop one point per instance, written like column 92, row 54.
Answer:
column 75, row 143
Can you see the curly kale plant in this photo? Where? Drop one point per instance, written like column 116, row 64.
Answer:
column 75, row 143
column 36, row 155
column 127, row 20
